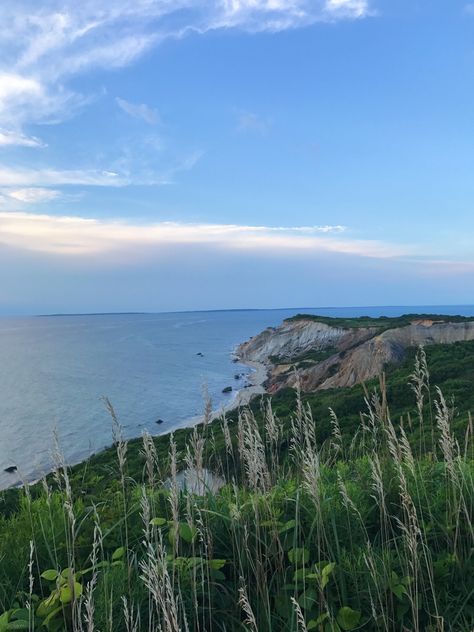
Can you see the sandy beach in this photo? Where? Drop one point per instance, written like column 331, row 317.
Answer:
column 255, row 381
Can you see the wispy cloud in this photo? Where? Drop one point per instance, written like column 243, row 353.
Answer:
column 78, row 236
column 22, row 177
column 344, row 9
column 32, row 195
column 252, row 122
column 9, row 137
column 123, row 171
column 44, row 44
column 139, row 111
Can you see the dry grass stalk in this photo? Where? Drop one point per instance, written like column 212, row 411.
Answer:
column 244, row 603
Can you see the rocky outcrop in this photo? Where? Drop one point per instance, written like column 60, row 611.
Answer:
column 295, row 338
column 354, row 354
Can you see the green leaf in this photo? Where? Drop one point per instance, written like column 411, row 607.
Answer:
column 118, row 553
column 4, row 621
column 283, row 606
column 217, row 564
column 299, row 574
column 51, row 616
column 51, row 600
column 399, row 590
column 20, row 624
column 50, row 575
column 21, row 613
column 307, row 599
column 298, row 556
column 347, row 618
column 158, row 522
column 44, row 607
column 186, row 532
column 315, row 623
column 287, row 526
column 66, row 595
column 326, row 573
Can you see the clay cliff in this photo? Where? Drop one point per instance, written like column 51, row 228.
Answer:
column 323, row 356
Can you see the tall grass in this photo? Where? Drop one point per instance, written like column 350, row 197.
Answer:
column 369, row 532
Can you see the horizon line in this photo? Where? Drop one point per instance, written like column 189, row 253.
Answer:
column 232, row 309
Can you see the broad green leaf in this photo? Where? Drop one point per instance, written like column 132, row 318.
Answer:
column 307, row 599
column 326, row 573
column 186, row 532
column 399, row 590
column 287, row 526
column 315, row 623
column 65, row 595
column 118, row 553
column 298, row 556
column 44, row 607
column 51, row 616
column 348, row 618
column 217, row 564
column 51, row 600
column 21, row 613
column 158, row 522
column 283, row 606
column 50, row 575
column 4, row 621
column 20, row 624
column 299, row 574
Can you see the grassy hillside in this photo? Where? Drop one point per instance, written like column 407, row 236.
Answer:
column 354, row 518
column 383, row 322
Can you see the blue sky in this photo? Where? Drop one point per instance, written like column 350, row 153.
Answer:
column 202, row 154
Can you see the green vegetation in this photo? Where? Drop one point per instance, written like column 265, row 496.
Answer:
column 305, row 359
column 382, row 322
column 330, row 519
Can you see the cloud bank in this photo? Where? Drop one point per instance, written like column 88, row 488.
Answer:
column 82, row 237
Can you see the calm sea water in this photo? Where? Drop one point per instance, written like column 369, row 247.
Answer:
column 55, row 370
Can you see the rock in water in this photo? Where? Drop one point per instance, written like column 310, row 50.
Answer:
column 227, row 389
column 10, row 469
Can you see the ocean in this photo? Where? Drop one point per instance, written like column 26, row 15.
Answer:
column 55, row 370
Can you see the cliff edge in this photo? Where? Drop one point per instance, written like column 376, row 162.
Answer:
column 331, row 353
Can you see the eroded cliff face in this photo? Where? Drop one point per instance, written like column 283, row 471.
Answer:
column 348, row 356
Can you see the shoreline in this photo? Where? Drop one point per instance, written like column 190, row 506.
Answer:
column 241, row 397
column 256, row 379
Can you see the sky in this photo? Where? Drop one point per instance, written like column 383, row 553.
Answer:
column 169, row 155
